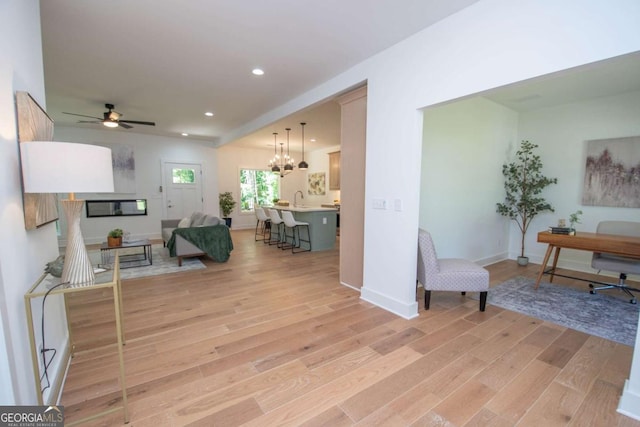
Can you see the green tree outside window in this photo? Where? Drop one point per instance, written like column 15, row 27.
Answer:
column 257, row 188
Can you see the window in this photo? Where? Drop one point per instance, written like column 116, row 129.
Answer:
column 257, row 187
column 184, row 176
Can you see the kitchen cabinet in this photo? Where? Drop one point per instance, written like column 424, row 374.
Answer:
column 334, row 170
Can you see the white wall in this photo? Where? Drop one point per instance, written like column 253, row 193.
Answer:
column 489, row 44
column 561, row 133
column 465, row 144
column 149, row 152
column 24, row 253
column 468, row 141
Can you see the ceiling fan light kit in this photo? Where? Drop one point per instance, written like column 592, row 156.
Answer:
column 111, row 119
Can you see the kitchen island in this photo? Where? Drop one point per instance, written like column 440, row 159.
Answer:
column 322, row 225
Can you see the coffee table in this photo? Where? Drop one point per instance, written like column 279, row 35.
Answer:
column 129, row 256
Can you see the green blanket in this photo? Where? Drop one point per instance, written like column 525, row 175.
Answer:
column 214, row 240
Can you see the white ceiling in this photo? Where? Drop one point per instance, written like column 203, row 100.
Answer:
column 169, row 61
column 604, row 78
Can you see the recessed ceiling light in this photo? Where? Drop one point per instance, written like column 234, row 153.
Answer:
column 312, row 140
column 185, row 134
column 257, row 72
column 208, row 114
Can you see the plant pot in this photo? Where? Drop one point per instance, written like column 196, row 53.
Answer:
column 523, row 260
column 113, row 242
column 227, row 221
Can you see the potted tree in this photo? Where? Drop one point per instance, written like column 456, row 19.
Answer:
column 523, row 184
column 226, row 206
column 114, row 238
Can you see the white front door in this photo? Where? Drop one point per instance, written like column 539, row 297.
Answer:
column 182, row 189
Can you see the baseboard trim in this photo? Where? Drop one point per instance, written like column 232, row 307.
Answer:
column 402, row 309
column 629, row 403
column 359, row 290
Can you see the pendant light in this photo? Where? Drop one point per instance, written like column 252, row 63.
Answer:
column 303, row 165
column 274, row 162
column 288, row 167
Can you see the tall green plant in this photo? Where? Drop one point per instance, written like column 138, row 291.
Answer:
column 523, row 184
column 226, row 203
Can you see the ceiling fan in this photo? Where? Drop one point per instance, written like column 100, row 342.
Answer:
column 111, row 119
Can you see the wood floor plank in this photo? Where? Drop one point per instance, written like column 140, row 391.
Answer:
column 319, row 400
column 586, row 364
column 239, row 343
column 563, row 348
column 513, row 400
column 599, row 406
column 555, row 407
column 464, row 403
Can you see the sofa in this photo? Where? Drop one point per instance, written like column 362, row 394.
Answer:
column 197, row 235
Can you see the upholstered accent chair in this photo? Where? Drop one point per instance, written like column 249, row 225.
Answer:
column 618, row 264
column 448, row 274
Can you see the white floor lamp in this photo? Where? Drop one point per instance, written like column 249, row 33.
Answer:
column 66, row 167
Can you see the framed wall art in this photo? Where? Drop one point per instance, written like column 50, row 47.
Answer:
column 35, row 125
column 317, row 184
column 612, row 173
column 124, row 169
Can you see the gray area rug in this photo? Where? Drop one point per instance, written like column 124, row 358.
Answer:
column 602, row 315
column 162, row 263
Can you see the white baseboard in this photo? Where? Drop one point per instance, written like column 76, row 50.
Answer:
column 492, row 259
column 402, row 309
column 355, row 288
column 629, row 402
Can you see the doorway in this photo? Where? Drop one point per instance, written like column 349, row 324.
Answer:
column 182, row 183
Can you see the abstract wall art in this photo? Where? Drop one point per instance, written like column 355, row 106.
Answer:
column 35, row 125
column 124, row 169
column 612, row 173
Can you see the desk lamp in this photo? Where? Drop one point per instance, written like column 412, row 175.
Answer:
column 66, row 167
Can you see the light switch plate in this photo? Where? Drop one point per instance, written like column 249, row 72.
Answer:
column 379, row 204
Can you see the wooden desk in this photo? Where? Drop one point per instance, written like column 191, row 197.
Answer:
column 45, row 286
column 628, row 246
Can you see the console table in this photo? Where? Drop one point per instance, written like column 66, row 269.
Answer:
column 45, row 286
column 627, row 246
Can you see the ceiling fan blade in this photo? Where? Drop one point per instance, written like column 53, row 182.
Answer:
column 82, row 115
column 135, row 122
column 124, row 125
column 87, row 121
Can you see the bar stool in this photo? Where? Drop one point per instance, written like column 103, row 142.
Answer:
column 277, row 223
column 293, row 225
column 263, row 225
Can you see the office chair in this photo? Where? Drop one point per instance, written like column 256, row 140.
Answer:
column 448, row 274
column 619, row 264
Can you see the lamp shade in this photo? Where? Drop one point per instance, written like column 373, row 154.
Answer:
column 66, row 167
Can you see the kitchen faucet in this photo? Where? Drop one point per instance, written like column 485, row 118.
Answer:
column 295, row 198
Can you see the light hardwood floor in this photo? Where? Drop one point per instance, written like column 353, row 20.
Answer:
column 270, row 338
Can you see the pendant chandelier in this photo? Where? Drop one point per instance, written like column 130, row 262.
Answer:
column 283, row 163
